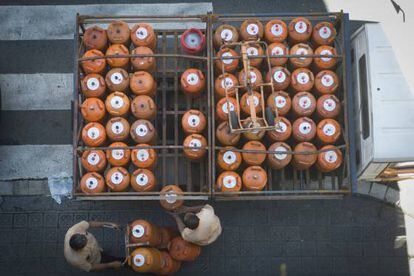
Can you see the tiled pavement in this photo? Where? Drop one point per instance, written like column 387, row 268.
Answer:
column 353, row 236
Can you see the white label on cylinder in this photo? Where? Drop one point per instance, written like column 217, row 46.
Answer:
column 195, row 143
column 141, row 130
column 331, row 156
column 327, row 80
column 116, row 178
column 227, row 61
column 302, row 78
column 227, row 82
column 192, row 79
column 255, row 101
column 229, row 157
column 193, row 120
column 282, row 127
column 252, row 51
column 305, row 102
column 117, row 127
column 329, row 105
column 276, row 29
column 277, row 51
column 302, row 52
column 326, row 52
column 139, row 260
column 280, row 101
column 142, row 179
column 329, row 129
column 301, row 27
column 118, row 154
column 280, row 156
column 141, row 33
column 142, row 155
column 91, row 183
column 325, row 32
column 305, row 128
column 117, row 78
column 226, row 35
column 171, row 197
column 225, row 109
column 138, row 231
column 279, row 76
column 93, row 133
column 117, row 102
column 252, row 29
column 93, row 159
column 229, row 181
column 253, row 77
column 92, row 83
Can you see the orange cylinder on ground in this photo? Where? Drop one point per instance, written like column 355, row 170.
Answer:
column 254, row 159
column 143, row 131
column 229, row 65
column 224, row 135
column 302, row 80
column 303, row 104
column 225, row 34
column 143, row 180
column 93, row 160
column 143, row 107
column 254, row 178
column 117, row 79
column 323, row 33
column 146, row 260
column 283, row 130
column 253, row 134
column 304, row 129
column 118, row 157
column 93, row 110
column 195, row 140
column 117, row 179
column 224, row 81
column 170, row 266
column 144, row 157
column 143, row 63
column 93, row 66
column 117, row 129
column 256, row 77
column 223, row 107
column 117, row 62
column 280, row 159
column 255, row 50
column 229, row 181
column 143, row 231
column 228, row 159
column 303, row 161
column 117, row 104
column 142, row 34
column 93, row 85
column 303, row 50
column 171, row 203
column 329, row 160
column 275, row 31
column 182, row 250
column 245, row 102
column 118, row 33
column 281, row 101
column 325, row 63
column 280, row 77
column 143, row 83
column 328, row 106
column 278, row 48
column 92, row 183
column 328, row 131
column 251, row 29
column 95, row 38
column 93, row 134
column 300, row 30
column 193, row 121
column 193, row 82
column 326, row 82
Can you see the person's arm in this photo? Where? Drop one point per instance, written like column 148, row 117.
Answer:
column 100, row 267
column 180, row 223
column 97, row 224
column 189, row 209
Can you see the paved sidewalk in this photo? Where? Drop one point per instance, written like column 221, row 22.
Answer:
column 354, row 236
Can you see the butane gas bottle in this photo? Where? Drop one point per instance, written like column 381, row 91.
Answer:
column 281, row 101
column 93, row 66
column 143, row 63
column 254, row 159
column 142, row 34
column 224, row 81
column 118, row 62
column 302, row 80
column 275, row 31
column 224, row 136
column 278, row 48
column 143, row 83
column 182, row 250
column 328, row 106
column 142, row 131
column 283, row 130
column 229, row 181
column 93, row 85
column 245, row 102
column 251, row 29
column 301, row 49
column 255, row 135
column 228, row 159
column 169, row 265
column 117, row 79
column 143, row 231
column 117, row 104
column 167, row 234
column 323, row 33
column 143, row 180
column 118, row 157
column 303, row 161
column 324, row 63
column 117, row 179
column 193, row 82
column 229, row 65
column 280, row 77
column 195, row 140
column 326, row 82
column 256, row 77
column 143, row 107
column 304, row 129
column 225, row 34
column 146, row 260
column 93, row 160
column 223, row 107
column 144, row 157
column 92, row 183
column 193, row 121
column 303, row 104
column 117, row 129
column 280, row 159
column 329, row 160
column 328, row 131
column 93, row 134
column 171, row 203
column 95, row 38
column 118, row 33
column 252, row 51
column 300, row 30
column 93, row 110
column 254, row 178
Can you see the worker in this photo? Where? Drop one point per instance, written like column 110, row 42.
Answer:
column 82, row 250
column 200, row 225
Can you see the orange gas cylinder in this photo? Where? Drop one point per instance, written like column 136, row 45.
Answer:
column 303, row 50
column 326, row 82
column 93, row 110
column 251, row 158
column 93, row 85
column 328, row 131
column 142, row 34
column 117, row 179
column 228, row 159
column 171, row 203
column 224, row 81
column 143, row 180
column 117, row 79
column 195, row 140
column 280, row 159
column 225, row 34
column 252, row 51
column 118, row 50
column 144, row 157
column 245, row 102
column 193, row 121
column 117, row 129
column 251, row 29
column 303, row 104
column 193, row 82
column 96, row 66
column 118, row 157
column 302, row 80
column 254, row 178
column 92, row 183
column 304, row 161
column 330, row 159
column 182, row 250
column 146, row 260
column 300, row 30
column 143, row 231
column 255, row 135
column 304, row 129
column 142, row 131
column 328, row 106
column 229, row 64
column 229, row 181
column 224, row 136
column 283, row 130
column 93, row 134
column 118, row 33
column 169, row 265
column 95, row 38
column 143, row 83
column 275, row 31
column 324, row 63
column 222, row 108
column 167, row 234
column 256, row 77
column 93, row 160
column 278, row 48
column 143, row 63
column 117, row 104
column 143, row 107
column 281, row 101
column 323, row 33
column 280, row 76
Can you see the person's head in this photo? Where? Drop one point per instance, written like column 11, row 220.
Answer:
column 77, row 241
column 191, row 220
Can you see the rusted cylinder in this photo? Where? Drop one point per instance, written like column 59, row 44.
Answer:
column 143, row 63
column 117, row 79
column 229, row 181
column 143, row 180
column 118, row 33
column 223, row 107
column 300, row 30
column 171, row 203
column 143, row 107
column 229, row 64
column 117, row 129
column 326, row 82
column 280, row 77
column 255, row 135
column 328, row 131
column 93, row 66
column 117, row 62
column 93, row 110
column 142, row 231
column 251, row 29
column 281, row 101
column 195, row 140
column 143, row 131
column 245, row 102
column 182, row 250
column 93, row 134
column 328, row 106
column 303, row 161
column 252, row 51
column 193, row 121
column 302, row 80
column 143, row 83
column 228, row 159
column 225, row 34
column 169, row 265
column 329, row 160
column 95, row 38
column 283, row 130
column 304, row 129
column 92, row 183
column 93, row 86
column 142, row 34
column 303, row 104
column 278, row 48
column 93, row 160
column 117, row 104
column 224, row 136
column 118, row 157
column 254, row 178
column 117, row 179
column 224, row 81
column 144, row 157
column 275, row 31
column 325, row 63
column 254, row 159
column 256, row 77
column 280, row 160
column 324, row 33
column 193, row 82
column 146, row 260
column 304, row 50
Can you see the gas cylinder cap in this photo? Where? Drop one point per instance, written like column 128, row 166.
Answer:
column 138, row 231
column 171, row 197
column 139, row 260
column 142, row 179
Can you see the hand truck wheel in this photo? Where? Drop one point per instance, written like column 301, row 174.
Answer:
column 234, row 120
